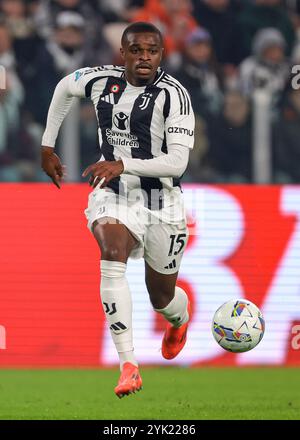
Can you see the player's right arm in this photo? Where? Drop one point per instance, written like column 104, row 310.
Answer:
column 68, row 88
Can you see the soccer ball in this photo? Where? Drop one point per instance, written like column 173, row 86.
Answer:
column 238, row 325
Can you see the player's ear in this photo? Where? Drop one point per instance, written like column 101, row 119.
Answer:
column 162, row 53
column 122, row 52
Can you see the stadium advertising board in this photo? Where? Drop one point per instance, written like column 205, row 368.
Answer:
column 244, row 243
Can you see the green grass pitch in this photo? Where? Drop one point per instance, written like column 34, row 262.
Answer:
column 168, row 393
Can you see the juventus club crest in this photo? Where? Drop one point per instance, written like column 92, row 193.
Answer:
column 146, row 99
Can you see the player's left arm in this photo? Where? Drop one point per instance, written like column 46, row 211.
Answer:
column 172, row 164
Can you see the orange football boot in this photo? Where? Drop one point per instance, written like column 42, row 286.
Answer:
column 130, row 380
column 174, row 338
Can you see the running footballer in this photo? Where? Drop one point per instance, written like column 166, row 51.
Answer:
column 146, row 129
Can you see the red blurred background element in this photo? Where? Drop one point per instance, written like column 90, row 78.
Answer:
column 50, row 310
column 49, row 277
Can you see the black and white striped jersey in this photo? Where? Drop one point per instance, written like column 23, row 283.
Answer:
column 136, row 122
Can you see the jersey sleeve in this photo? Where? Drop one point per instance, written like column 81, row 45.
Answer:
column 180, row 122
column 78, row 81
column 81, row 81
column 172, row 164
column 70, row 87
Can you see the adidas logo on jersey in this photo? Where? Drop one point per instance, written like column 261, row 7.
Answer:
column 172, row 265
column 110, row 98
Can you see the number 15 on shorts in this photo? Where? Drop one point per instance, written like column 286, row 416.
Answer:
column 177, row 243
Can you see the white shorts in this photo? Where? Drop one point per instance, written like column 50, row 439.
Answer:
column 160, row 243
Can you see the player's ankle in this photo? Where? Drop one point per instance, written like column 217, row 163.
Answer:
column 176, row 312
column 127, row 356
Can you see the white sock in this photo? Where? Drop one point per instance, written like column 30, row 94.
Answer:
column 117, row 306
column 176, row 311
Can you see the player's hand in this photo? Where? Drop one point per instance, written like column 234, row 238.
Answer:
column 52, row 166
column 105, row 169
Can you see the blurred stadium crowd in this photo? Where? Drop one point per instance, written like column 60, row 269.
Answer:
column 221, row 50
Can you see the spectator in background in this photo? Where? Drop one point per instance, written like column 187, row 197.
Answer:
column 198, row 71
column 296, row 49
column 22, row 29
column 286, row 137
column 268, row 68
column 11, row 99
column 118, row 13
column 25, row 42
column 46, row 19
column 293, row 7
column 196, row 170
column 229, row 157
column 48, row 11
column 261, row 14
column 173, row 18
column 65, row 52
column 114, row 11
column 15, row 13
column 67, row 45
column 219, row 17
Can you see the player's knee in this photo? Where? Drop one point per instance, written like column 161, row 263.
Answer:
column 113, row 253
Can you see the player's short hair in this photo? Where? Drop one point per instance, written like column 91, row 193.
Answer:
column 141, row 27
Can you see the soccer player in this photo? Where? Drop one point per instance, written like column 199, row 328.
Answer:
column 146, row 128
